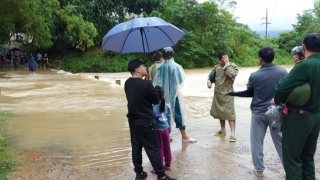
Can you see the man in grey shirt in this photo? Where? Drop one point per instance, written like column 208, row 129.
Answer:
column 261, row 87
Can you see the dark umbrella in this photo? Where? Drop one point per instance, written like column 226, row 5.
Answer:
column 15, row 49
column 141, row 35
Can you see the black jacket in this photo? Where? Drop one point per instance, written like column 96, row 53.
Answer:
column 140, row 95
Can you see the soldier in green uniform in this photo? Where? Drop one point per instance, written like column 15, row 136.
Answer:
column 301, row 126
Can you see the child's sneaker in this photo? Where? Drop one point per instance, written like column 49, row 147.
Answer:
column 141, row 176
column 166, row 177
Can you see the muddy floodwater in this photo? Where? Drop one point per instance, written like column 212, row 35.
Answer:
column 73, row 126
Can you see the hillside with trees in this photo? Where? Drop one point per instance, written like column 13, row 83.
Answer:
column 70, row 29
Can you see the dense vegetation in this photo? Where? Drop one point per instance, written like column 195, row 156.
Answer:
column 307, row 22
column 59, row 26
column 6, row 156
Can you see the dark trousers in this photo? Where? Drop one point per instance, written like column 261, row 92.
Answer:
column 178, row 115
column 144, row 135
column 299, row 141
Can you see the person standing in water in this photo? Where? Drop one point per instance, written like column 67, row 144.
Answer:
column 32, row 64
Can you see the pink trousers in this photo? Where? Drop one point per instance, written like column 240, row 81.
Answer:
column 164, row 145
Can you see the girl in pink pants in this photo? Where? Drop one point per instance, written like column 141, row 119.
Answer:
column 162, row 115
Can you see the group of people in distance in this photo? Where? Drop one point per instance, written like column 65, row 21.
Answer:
column 22, row 59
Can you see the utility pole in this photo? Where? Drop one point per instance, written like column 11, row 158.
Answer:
column 266, row 23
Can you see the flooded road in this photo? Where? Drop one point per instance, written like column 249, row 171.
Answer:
column 73, row 126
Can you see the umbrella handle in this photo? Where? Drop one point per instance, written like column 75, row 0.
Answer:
column 147, row 77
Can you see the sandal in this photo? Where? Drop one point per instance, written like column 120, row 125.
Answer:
column 232, row 139
column 219, row 133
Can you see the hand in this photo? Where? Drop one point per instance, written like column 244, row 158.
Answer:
column 209, row 84
column 272, row 102
column 230, row 93
column 225, row 59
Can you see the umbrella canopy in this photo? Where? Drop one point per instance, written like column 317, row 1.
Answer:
column 14, row 49
column 141, row 35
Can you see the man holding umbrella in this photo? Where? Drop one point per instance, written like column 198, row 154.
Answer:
column 141, row 95
column 170, row 77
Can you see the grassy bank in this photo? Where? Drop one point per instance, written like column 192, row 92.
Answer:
column 6, row 155
column 101, row 62
column 95, row 63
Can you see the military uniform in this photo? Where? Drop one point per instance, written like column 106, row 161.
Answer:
column 301, row 126
column 223, row 105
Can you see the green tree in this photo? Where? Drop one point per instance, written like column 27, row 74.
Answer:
column 105, row 14
column 209, row 29
column 304, row 21
column 42, row 23
column 288, row 40
column 139, row 6
column 307, row 22
column 79, row 31
column 226, row 4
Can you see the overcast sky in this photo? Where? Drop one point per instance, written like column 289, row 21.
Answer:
column 281, row 13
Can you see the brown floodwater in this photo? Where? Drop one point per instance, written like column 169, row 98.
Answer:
column 73, row 126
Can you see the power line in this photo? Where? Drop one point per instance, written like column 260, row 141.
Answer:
column 266, row 23
column 272, row 14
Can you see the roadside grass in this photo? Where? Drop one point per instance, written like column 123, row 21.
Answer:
column 7, row 161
